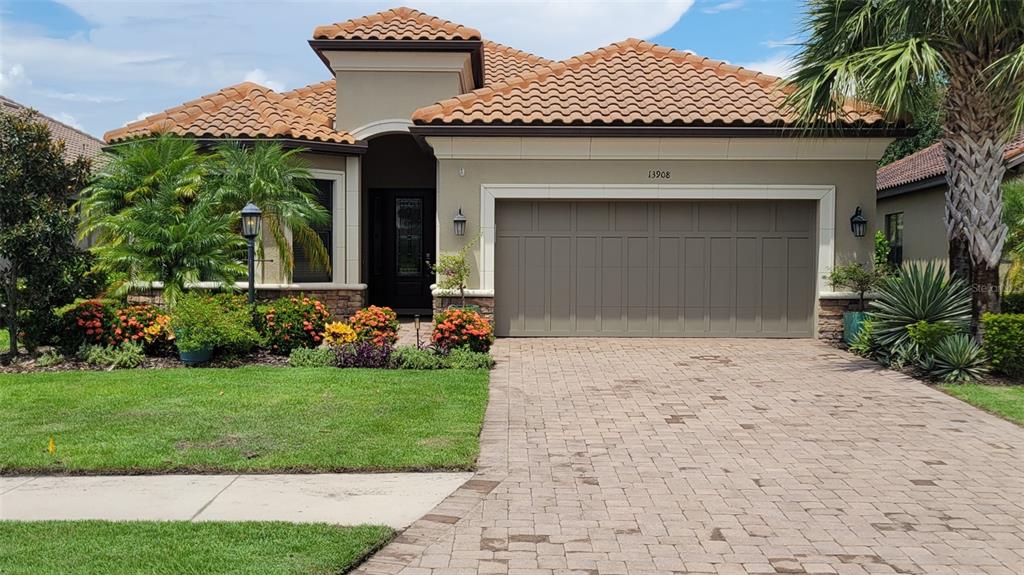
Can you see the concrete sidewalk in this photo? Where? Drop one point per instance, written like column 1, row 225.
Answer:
column 394, row 499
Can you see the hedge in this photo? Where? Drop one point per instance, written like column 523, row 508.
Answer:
column 1004, row 342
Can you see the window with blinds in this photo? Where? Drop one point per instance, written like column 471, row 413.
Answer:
column 305, row 271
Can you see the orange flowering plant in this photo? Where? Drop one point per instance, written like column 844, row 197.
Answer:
column 85, row 321
column 142, row 324
column 376, row 324
column 296, row 321
column 460, row 327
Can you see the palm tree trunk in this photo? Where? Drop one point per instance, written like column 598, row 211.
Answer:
column 975, row 141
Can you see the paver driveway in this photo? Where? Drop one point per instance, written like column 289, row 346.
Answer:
column 723, row 456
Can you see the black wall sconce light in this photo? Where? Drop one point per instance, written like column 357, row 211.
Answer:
column 460, row 223
column 858, row 223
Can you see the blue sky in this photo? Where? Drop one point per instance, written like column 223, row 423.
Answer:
column 99, row 64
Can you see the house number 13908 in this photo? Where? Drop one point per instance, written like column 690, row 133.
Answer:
column 659, row 175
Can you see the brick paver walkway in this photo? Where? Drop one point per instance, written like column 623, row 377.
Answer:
column 722, row 456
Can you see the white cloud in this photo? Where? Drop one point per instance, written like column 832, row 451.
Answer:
column 723, row 7
column 144, row 115
column 68, row 119
column 258, row 76
column 780, row 65
column 12, row 77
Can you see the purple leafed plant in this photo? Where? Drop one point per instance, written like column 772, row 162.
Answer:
column 364, row 354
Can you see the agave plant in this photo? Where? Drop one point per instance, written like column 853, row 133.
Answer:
column 958, row 359
column 918, row 293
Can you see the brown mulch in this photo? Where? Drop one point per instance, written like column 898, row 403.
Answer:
column 26, row 364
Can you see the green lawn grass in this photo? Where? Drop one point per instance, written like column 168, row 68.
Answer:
column 245, row 419
column 1006, row 401
column 181, row 548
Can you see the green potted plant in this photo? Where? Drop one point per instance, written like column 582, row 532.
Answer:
column 857, row 278
column 194, row 323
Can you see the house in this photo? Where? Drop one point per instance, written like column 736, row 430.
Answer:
column 634, row 190
column 76, row 142
column 911, row 202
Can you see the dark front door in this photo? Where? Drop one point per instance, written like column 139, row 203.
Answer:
column 401, row 245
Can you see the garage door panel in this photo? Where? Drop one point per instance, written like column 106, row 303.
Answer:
column 561, row 300
column 655, row 268
column 676, row 217
column 552, row 216
column 506, row 287
column 515, row 217
column 593, row 216
column 753, row 217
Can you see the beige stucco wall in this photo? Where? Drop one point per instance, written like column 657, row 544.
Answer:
column 365, row 97
column 854, row 181
column 924, row 230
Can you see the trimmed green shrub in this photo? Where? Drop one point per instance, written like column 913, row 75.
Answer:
column 1012, row 303
column 958, row 359
column 925, row 338
column 125, row 356
column 311, row 357
column 464, row 358
column 294, row 321
column 201, row 320
column 918, row 293
column 417, row 358
column 1004, row 342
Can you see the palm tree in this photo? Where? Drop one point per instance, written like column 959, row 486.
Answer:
column 893, row 53
column 277, row 181
column 158, row 205
column 173, row 236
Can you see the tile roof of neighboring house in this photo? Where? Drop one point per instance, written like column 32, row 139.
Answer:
column 76, row 142
column 929, row 163
column 631, row 82
column 502, row 63
column 396, row 24
column 245, row 110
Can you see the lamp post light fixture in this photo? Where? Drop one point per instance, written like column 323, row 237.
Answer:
column 251, row 216
column 858, row 223
column 460, row 223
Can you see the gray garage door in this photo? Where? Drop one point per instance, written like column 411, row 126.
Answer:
column 666, row 268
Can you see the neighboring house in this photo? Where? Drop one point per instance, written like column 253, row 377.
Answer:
column 632, row 190
column 76, row 142
column 912, row 202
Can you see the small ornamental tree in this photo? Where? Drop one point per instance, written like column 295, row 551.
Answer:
column 453, row 271
column 855, row 277
column 40, row 266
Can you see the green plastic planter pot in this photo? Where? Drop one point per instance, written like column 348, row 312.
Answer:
column 196, row 356
column 852, row 322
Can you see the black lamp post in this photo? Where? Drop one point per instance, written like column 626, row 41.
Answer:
column 251, row 216
column 460, row 223
column 858, row 223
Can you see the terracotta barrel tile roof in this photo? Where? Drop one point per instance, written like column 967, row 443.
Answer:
column 631, row 82
column 929, row 163
column 396, row 24
column 245, row 110
column 503, row 63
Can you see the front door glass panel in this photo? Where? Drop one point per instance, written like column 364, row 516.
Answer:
column 409, row 240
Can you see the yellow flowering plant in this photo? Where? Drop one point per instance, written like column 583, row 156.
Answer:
column 338, row 333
